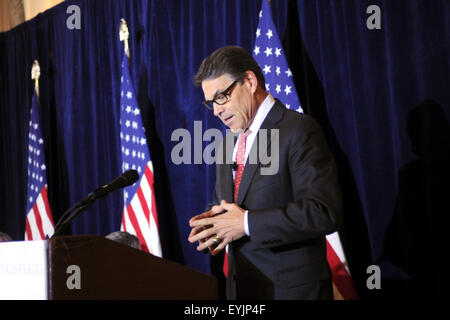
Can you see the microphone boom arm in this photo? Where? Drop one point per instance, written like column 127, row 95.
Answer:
column 63, row 222
column 125, row 179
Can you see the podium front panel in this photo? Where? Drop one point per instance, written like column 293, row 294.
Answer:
column 23, row 270
column 92, row 267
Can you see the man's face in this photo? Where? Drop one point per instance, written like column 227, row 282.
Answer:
column 237, row 113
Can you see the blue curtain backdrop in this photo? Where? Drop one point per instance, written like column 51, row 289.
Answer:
column 381, row 96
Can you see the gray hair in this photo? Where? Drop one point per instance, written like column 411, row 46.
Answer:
column 5, row 237
column 124, row 238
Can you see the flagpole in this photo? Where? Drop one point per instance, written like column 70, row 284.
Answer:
column 35, row 74
column 39, row 223
column 124, row 36
column 141, row 218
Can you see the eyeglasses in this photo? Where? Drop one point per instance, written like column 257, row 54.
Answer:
column 220, row 98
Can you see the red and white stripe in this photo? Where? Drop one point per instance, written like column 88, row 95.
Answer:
column 141, row 218
column 339, row 268
column 39, row 222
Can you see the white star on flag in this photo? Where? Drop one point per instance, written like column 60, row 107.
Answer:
column 278, row 89
column 268, row 51
column 278, row 52
column 287, row 89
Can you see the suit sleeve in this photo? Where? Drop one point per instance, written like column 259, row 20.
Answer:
column 214, row 202
column 316, row 209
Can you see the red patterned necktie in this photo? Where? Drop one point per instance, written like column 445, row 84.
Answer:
column 240, row 160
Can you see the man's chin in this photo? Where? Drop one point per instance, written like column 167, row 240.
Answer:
column 233, row 127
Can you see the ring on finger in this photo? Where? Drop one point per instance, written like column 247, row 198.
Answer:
column 216, row 239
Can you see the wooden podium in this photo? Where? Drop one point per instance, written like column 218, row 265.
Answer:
column 109, row 270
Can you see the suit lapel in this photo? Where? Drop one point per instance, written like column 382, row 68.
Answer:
column 226, row 170
column 228, row 182
column 275, row 115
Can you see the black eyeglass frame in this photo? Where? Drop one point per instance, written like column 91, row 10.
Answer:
column 209, row 103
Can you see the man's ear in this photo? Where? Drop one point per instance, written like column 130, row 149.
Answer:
column 252, row 81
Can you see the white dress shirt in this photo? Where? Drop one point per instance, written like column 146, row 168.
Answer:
column 260, row 116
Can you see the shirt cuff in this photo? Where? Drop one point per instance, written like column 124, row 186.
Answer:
column 247, row 232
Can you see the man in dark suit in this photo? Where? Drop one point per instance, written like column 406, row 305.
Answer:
column 272, row 217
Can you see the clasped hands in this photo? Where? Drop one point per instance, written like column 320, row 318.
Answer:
column 216, row 228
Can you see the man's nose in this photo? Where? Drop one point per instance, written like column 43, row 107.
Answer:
column 218, row 109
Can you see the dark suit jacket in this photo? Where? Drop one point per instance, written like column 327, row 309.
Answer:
column 290, row 212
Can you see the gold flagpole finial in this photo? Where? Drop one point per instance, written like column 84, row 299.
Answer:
column 36, row 73
column 124, row 35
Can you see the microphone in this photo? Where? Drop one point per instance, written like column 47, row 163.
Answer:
column 125, row 179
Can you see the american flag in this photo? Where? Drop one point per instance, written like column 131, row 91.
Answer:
column 39, row 221
column 269, row 54
column 139, row 215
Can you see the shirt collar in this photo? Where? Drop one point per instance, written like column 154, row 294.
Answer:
column 261, row 114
